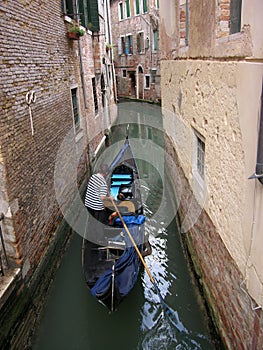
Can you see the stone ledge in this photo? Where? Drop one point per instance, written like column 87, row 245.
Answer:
column 8, row 284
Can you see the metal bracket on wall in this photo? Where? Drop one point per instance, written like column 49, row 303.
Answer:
column 257, row 176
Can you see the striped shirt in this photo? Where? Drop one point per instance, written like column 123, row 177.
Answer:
column 97, row 187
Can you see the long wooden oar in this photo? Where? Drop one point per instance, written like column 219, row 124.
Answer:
column 166, row 308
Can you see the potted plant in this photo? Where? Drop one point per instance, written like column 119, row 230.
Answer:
column 108, row 47
column 76, row 30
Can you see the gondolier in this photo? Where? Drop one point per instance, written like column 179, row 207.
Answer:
column 111, row 263
column 97, row 193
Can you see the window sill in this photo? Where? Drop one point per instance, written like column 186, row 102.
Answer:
column 69, row 19
column 198, row 186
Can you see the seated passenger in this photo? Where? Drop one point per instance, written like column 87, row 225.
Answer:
column 125, row 193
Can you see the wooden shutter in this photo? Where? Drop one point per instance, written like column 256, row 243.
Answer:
column 128, row 12
column 145, row 9
column 127, row 50
column 138, row 43
column 137, row 7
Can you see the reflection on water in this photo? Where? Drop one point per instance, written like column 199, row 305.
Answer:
column 73, row 319
column 160, row 330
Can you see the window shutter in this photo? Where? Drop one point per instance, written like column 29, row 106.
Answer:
column 121, row 10
column 119, row 46
column 131, row 44
column 127, row 45
column 128, row 12
column 93, row 16
column 145, row 6
column 138, row 43
column 137, row 7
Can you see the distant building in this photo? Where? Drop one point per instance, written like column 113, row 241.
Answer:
column 135, row 37
column 58, row 99
column 212, row 68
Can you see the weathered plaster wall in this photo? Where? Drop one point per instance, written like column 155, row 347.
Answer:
column 213, row 101
column 216, row 100
column 252, row 13
column 249, row 104
column 212, row 89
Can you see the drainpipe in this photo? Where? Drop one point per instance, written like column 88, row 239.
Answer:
column 111, row 52
column 82, row 75
column 259, row 165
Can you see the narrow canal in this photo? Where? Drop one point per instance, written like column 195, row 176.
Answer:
column 73, row 319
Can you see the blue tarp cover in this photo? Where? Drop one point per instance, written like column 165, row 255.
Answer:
column 130, row 219
column 126, row 268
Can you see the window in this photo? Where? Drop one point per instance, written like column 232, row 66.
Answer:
column 201, row 157
column 95, row 99
column 155, row 40
column 144, row 6
column 147, row 81
column 128, row 44
column 184, row 22
column 84, row 10
column 121, row 11
column 124, row 73
column 128, row 10
column 75, row 107
column 121, row 45
column 229, row 18
column 235, row 16
column 147, row 43
column 157, row 4
column 140, row 42
column 154, row 75
column 198, row 161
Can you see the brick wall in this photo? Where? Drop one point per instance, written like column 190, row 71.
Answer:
column 240, row 326
column 37, row 55
column 223, row 18
column 147, row 60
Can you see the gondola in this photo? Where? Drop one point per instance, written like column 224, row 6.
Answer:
column 111, row 266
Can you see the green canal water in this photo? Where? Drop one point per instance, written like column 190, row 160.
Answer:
column 73, row 319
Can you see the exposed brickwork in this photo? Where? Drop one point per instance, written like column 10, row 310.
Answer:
column 38, row 56
column 36, row 53
column 223, row 18
column 239, row 325
column 133, row 84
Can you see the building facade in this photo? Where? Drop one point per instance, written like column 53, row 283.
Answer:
column 135, row 38
column 58, row 100
column 211, row 69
